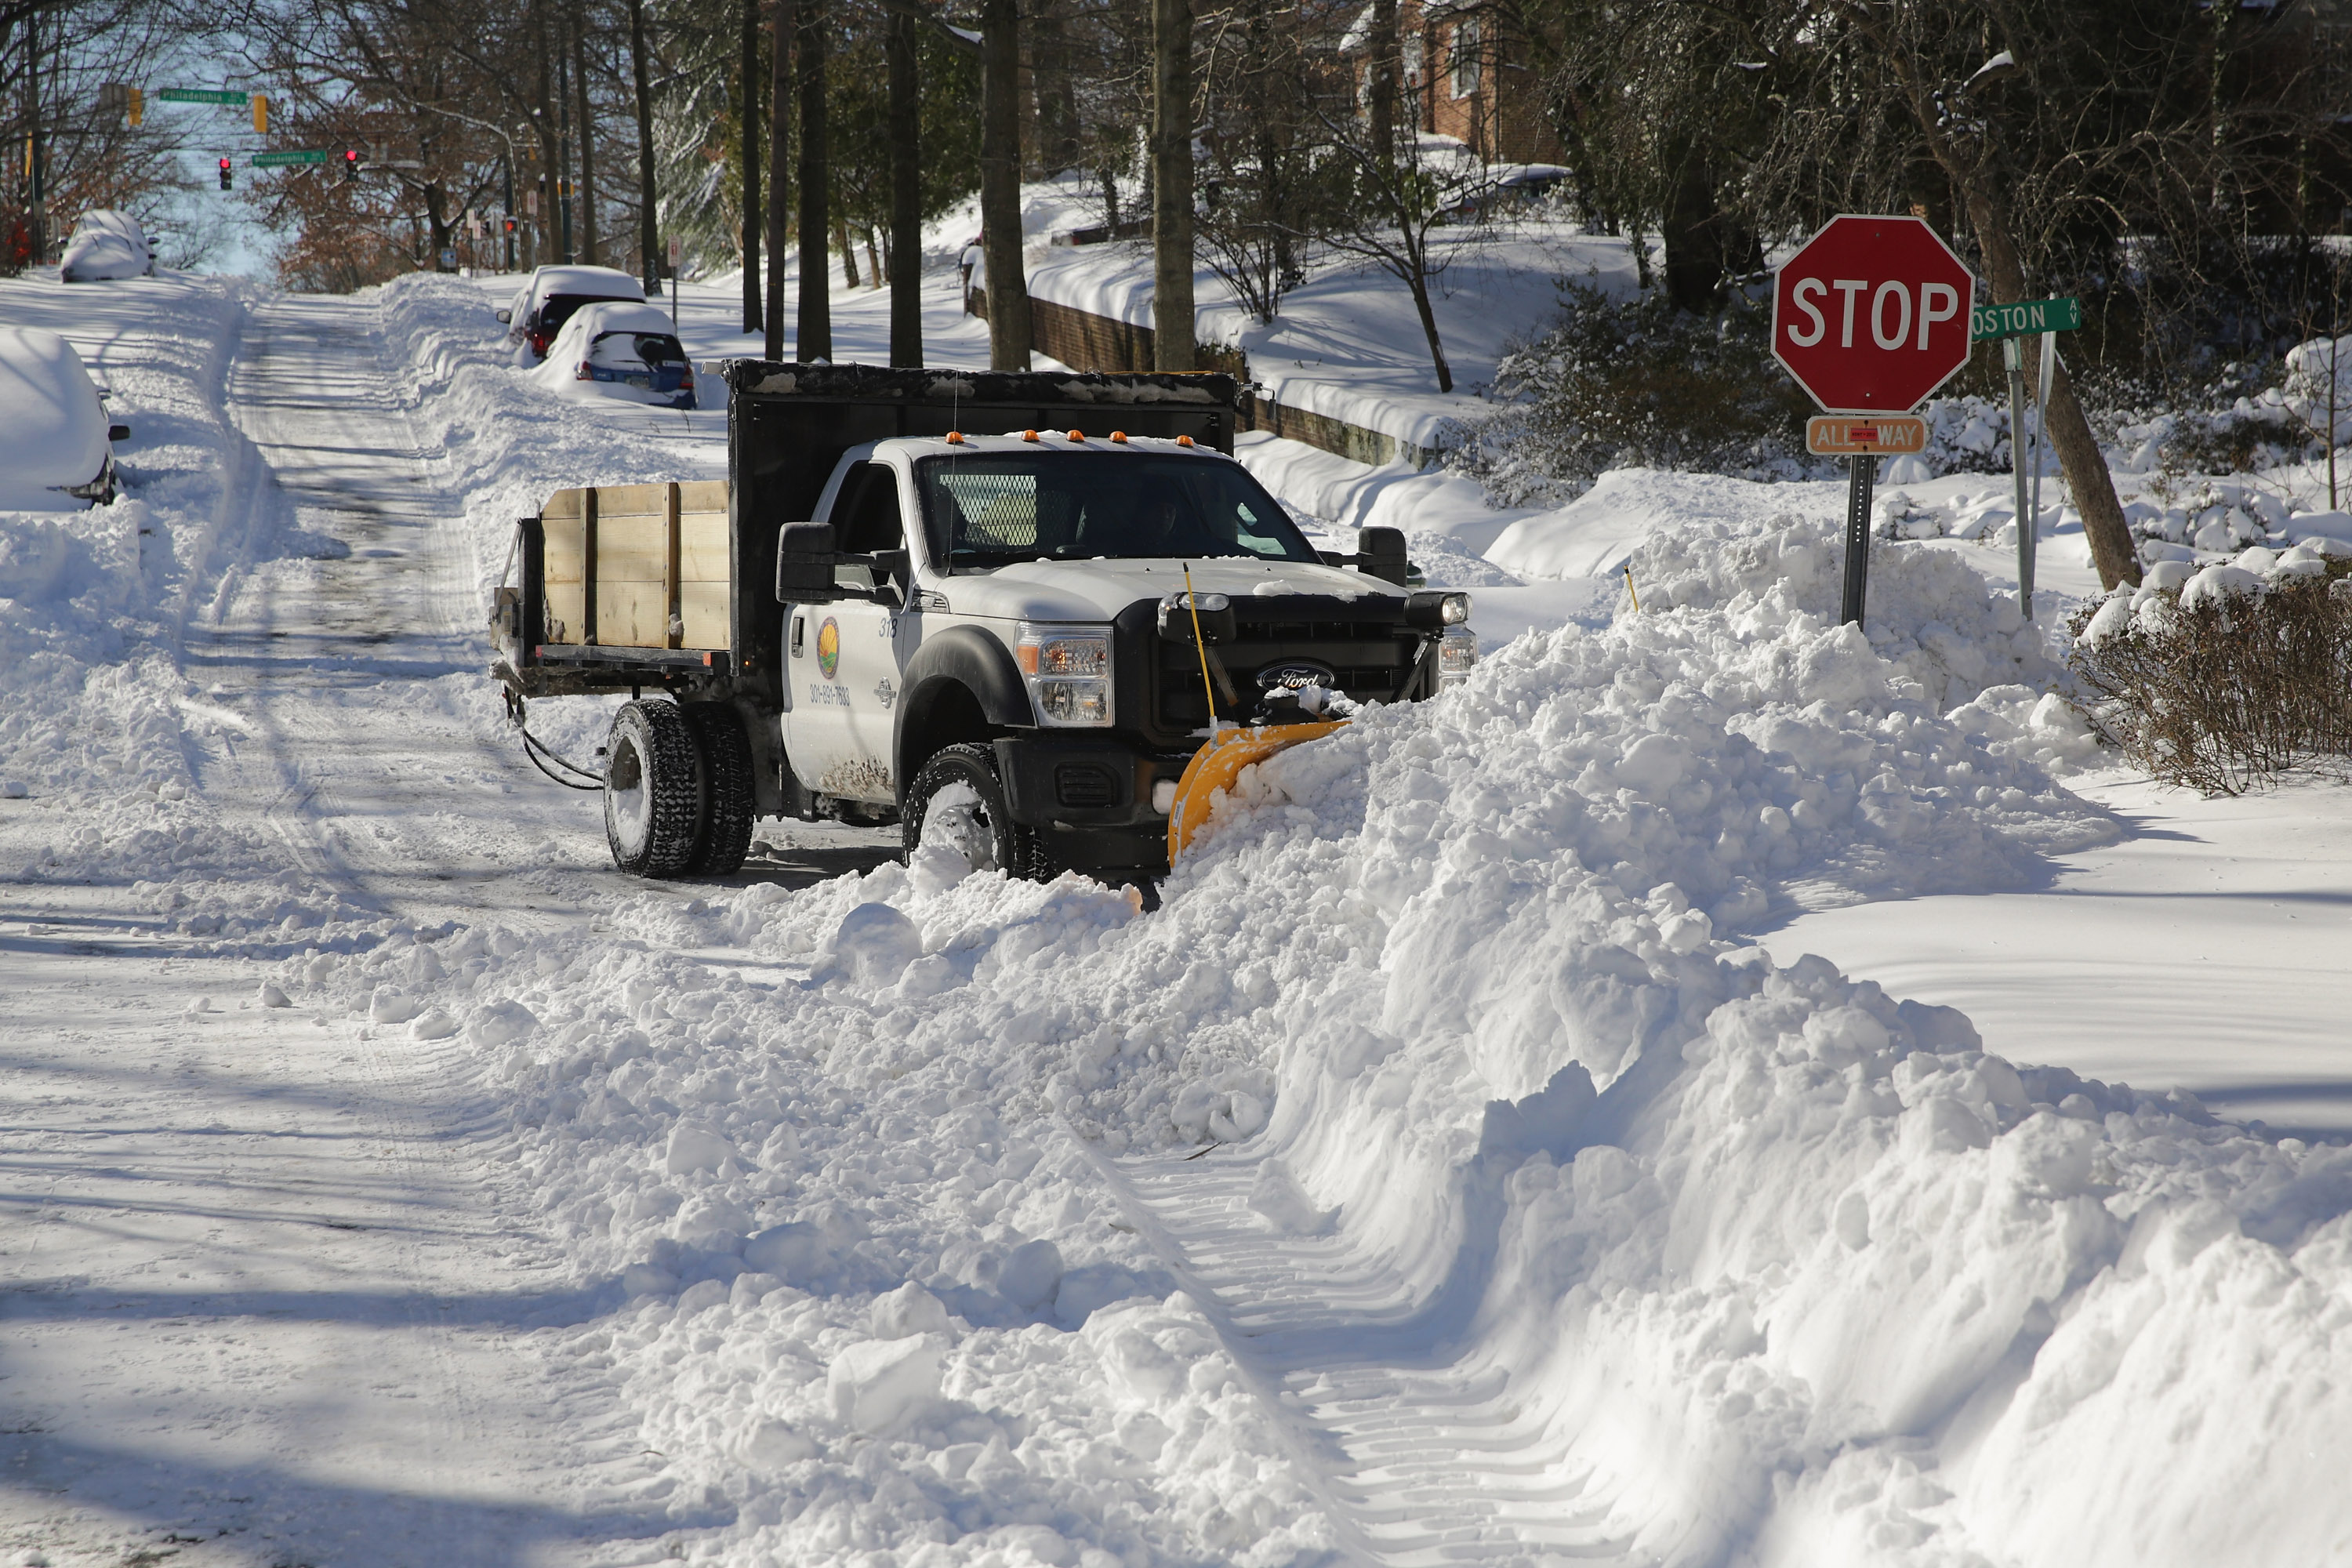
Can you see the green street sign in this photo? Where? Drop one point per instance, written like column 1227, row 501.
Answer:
column 2025, row 316
column 279, row 160
column 204, row 95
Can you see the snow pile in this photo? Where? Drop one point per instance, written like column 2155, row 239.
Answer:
column 1460, row 979
column 1948, row 639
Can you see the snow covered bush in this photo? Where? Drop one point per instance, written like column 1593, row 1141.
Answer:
column 1635, row 382
column 2223, row 677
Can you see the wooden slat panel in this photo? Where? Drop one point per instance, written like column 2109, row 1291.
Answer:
column 563, row 573
column 703, row 607
column 702, row 552
column 632, row 501
column 632, row 614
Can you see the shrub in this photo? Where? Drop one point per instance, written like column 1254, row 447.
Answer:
column 1637, row 382
column 2223, row 680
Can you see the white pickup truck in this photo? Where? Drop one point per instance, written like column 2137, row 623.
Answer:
column 993, row 625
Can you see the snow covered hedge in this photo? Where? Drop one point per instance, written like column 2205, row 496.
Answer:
column 2221, row 678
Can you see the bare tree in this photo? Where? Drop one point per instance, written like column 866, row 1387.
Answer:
column 1000, row 184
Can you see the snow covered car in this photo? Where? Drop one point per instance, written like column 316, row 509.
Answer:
column 542, row 305
column 107, row 244
column 56, row 451
column 616, row 348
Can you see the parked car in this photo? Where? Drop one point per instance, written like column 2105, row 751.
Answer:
column 57, row 449
column 542, row 305
column 619, row 349
column 107, row 244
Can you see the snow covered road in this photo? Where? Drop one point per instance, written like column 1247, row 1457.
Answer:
column 1439, row 1175
column 274, row 1290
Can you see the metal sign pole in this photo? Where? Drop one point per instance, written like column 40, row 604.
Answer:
column 2013, row 358
column 2041, row 441
column 1861, row 472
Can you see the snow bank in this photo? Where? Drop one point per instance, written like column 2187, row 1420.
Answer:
column 1775, row 1262
column 99, row 726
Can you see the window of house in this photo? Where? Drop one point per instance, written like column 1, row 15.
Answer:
column 1465, row 57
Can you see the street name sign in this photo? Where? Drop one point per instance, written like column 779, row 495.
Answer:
column 280, row 160
column 1990, row 321
column 1871, row 314
column 204, row 95
column 1845, row 435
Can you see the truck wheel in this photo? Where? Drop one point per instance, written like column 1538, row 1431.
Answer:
column 652, row 798
column 724, row 834
column 959, row 793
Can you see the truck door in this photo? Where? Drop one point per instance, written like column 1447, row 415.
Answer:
column 845, row 658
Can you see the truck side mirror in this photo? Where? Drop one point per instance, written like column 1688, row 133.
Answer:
column 805, row 556
column 506, row 317
column 1380, row 551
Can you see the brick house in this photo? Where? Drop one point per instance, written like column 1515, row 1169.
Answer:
column 1465, row 75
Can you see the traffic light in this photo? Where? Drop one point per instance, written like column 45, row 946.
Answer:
column 350, row 164
column 510, row 226
column 224, row 174
column 260, row 115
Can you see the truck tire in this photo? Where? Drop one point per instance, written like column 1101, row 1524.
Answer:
column 653, row 798
column 723, row 830
column 982, row 826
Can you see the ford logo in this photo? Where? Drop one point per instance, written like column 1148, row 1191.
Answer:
column 1296, row 676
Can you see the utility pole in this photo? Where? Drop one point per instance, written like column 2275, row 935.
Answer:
column 39, row 143
column 587, row 142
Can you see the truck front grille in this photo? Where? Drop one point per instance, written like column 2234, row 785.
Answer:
column 1085, row 784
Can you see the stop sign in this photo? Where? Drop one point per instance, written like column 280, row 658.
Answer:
column 1872, row 314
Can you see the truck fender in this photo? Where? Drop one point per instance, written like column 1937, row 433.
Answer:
column 961, row 658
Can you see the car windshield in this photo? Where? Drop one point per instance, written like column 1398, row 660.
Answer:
column 990, row 509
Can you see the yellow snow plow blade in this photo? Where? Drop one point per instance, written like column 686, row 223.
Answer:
column 1216, row 765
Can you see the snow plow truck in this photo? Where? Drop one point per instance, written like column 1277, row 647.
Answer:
column 1047, row 614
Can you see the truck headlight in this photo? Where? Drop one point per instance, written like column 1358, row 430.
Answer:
column 1068, row 672
column 1457, row 655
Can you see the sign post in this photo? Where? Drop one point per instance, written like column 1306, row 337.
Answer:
column 2011, row 324
column 673, row 285
column 1867, row 316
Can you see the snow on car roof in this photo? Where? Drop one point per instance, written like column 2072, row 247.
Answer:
column 598, row 283
column 619, row 316
column 52, row 428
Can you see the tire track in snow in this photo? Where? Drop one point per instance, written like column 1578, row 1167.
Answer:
column 1425, row 1455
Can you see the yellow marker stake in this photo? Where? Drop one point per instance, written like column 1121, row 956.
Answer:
column 1194, row 602
column 1629, row 588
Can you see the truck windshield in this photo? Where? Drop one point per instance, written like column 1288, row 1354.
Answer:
column 989, row 509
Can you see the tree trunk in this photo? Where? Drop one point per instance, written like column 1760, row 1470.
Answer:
column 1384, row 68
column 906, row 247
column 1172, row 330
column 648, row 212
column 562, row 180
column 748, row 68
column 587, row 142
column 1417, row 279
column 2079, row 458
column 813, row 341
column 1000, row 183
column 542, row 123
column 783, row 23
column 1058, row 106
column 1692, row 230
